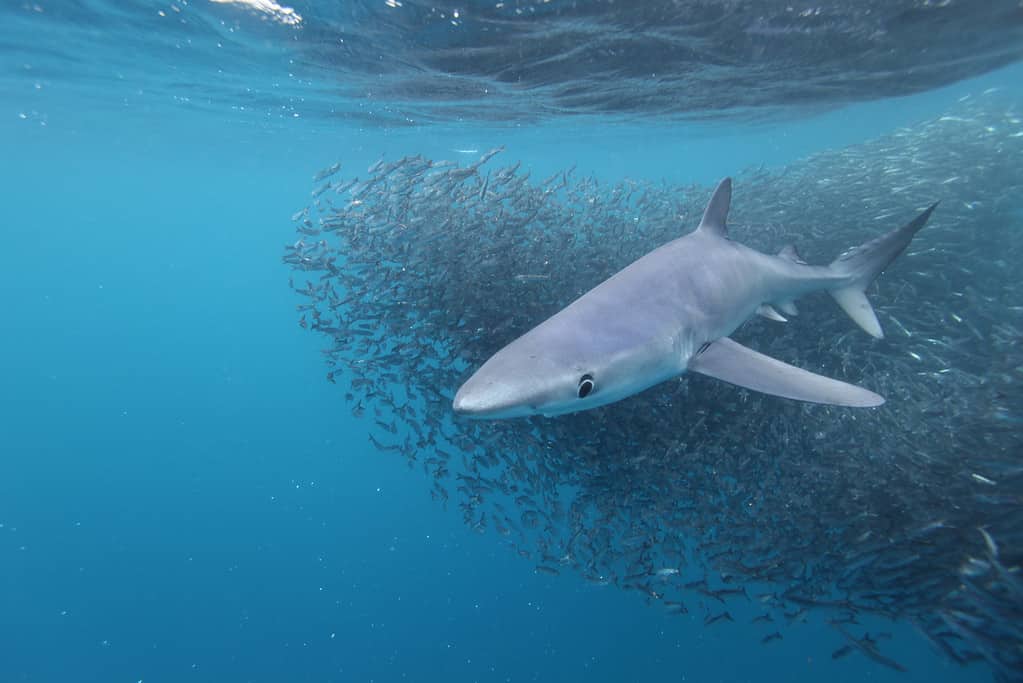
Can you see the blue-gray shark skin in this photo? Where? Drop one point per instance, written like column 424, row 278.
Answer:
column 670, row 312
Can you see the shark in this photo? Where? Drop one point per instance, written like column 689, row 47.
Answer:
column 671, row 312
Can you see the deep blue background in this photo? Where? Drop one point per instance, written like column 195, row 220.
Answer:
column 185, row 498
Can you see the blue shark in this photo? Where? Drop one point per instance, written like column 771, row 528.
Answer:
column 671, row 312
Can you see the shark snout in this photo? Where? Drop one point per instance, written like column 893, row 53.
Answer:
column 466, row 403
column 474, row 401
column 484, row 398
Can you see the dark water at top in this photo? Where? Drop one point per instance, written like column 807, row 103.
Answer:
column 395, row 62
column 185, row 496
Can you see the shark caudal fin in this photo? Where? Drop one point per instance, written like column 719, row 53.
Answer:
column 860, row 265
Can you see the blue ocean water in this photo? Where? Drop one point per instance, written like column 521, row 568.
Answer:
column 182, row 495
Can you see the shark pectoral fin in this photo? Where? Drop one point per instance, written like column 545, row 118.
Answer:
column 767, row 310
column 732, row 362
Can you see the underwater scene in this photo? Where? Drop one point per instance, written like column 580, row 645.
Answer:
column 560, row 340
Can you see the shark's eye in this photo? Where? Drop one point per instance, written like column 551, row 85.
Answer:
column 585, row 386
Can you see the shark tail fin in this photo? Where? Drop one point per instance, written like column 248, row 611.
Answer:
column 861, row 265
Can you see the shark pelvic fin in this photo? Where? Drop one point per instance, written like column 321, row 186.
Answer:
column 787, row 307
column 715, row 216
column 767, row 310
column 862, row 264
column 732, row 362
column 790, row 253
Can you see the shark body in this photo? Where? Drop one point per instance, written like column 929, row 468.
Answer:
column 671, row 312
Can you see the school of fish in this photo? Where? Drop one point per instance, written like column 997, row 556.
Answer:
column 695, row 493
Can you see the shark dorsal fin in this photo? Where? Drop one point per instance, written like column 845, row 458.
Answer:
column 715, row 216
